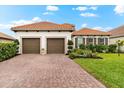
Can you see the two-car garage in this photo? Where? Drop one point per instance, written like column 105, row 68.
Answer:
column 32, row 45
column 43, row 37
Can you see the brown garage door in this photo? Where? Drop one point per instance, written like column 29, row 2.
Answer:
column 55, row 45
column 31, row 45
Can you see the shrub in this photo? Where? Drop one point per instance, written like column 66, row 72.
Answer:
column 112, row 48
column 70, row 42
column 87, row 53
column 101, row 48
column 7, row 50
column 17, row 42
column 78, row 51
column 82, row 46
column 69, row 51
column 91, row 47
column 73, row 55
column 70, row 47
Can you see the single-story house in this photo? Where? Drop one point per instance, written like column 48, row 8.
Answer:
column 117, row 34
column 47, row 36
column 5, row 38
column 53, row 38
column 90, row 36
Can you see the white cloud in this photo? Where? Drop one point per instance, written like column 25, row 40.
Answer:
column 73, row 8
column 52, row 8
column 84, row 25
column 102, row 28
column 88, row 14
column 119, row 9
column 21, row 22
column 84, row 8
column 93, row 8
column 36, row 19
column 47, row 13
column 5, row 26
column 80, row 8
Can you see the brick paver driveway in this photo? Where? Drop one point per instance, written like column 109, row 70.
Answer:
column 55, row 70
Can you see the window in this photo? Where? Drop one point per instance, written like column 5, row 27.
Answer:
column 80, row 40
column 76, row 40
column 89, row 41
column 101, row 41
column 106, row 41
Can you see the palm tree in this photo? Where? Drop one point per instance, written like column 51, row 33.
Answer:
column 119, row 44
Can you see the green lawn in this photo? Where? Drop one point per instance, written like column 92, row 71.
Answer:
column 109, row 70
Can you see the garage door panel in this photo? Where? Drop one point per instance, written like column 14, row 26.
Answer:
column 55, row 45
column 31, row 45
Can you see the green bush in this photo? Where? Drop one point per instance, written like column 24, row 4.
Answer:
column 101, row 48
column 78, row 51
column 70, row 42
column 91, row 47
column 112, row 48
column 68, row 52
column 7, row 50
column 82, row 46
column 87, row 53
column 70, row 47
column 73, row 55
column 16, row 41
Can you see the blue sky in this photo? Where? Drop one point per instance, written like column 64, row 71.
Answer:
column 97, row 17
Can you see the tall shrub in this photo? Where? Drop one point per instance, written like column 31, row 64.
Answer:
column 112, row 48
column 7, row 50
column 70, row 46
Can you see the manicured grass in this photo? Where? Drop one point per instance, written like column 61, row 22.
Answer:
column 109, row 70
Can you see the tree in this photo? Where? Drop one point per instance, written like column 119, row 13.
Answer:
column 119, row 44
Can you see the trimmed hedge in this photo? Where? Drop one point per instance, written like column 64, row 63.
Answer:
column 8, row 50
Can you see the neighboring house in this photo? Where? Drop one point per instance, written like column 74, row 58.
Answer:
column 5, row 38
column 89, row 36
column 47, row 36
column 117, row 34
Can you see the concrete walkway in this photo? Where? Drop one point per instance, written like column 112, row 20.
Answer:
column 34, row 71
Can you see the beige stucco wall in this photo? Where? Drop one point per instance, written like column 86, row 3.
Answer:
column 114, row 39
column 43, row 38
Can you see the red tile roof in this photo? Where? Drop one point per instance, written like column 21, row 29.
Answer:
column 119, row 31
column 44, row 26
column 88, row 31
column 4, row 36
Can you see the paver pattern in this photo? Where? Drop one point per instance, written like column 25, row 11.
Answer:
column 48, row 71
